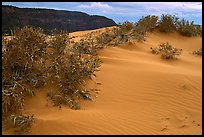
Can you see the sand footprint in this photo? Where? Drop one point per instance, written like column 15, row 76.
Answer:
column 166, row 121
column 190, row 122
column 184, row 122
column 165, row 128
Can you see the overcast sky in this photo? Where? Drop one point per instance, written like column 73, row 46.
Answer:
column 124, row 11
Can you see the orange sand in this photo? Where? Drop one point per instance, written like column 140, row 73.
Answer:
column 140, row 93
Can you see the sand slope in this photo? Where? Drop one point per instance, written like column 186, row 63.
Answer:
column 140, row 94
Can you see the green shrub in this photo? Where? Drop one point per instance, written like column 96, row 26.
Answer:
column 167, row 23
column 186, row 28
column 166, row 51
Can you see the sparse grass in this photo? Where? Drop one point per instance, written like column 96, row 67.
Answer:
column 167, row 51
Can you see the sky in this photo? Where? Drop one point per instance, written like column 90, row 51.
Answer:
column 124, row 11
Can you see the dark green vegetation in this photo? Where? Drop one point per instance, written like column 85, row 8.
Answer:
column 48, row 19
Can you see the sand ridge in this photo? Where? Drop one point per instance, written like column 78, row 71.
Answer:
column 140, row 93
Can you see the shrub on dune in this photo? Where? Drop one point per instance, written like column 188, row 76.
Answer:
column 186, row 28
column 22, row 69
column 198, row 52
column 166, row 51
column 27, row 65
column 167, row 23
column 144, row 25
column 128, row 32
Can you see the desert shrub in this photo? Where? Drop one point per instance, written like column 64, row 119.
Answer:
column 104, row 38
column 84, row 47
column 70, row 74
column 27, row 64
column 59, row 41
column 147, row 23
column 111, row 38
column 127, row 32
column 167, row 23
column 20, row 123
column 186, row 28
column 199, row 30
column 198, row 52
column 152, row 23
column 22, row 68
column 144, row 25
column 119, row 37
column 166, row 51
column 71, row 71
column 126, row 26
column 23, row 57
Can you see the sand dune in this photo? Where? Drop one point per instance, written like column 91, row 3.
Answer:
column 140, row 93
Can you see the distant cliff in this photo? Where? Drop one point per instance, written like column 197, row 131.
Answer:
column 49, row 19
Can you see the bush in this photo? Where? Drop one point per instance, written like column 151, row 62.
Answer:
column 126, row 26
column 27, row 64
column 103, row 39
column 186, row 28
column 166, row 51
column 198, row 52
column 167, row 23
column 69, row 75
column 144, row 25
column 147, row 23
column 22, row 68
column 21, row 123
column 127, row 32
column 59, row 41
column 70, row 72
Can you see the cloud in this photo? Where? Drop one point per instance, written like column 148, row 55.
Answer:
column 192, row 6
column 95, row 6
column 138, row 9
